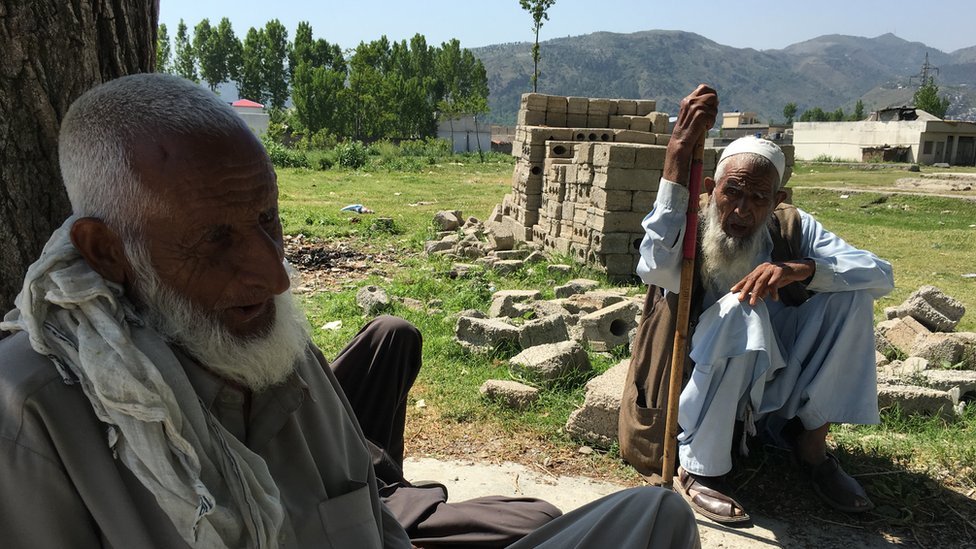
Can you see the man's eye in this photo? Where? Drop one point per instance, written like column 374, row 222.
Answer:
column 217, row 234
column 270, row 216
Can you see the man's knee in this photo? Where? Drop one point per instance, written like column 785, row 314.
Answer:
column 389, row 325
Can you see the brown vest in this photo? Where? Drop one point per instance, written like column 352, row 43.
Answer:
column 643, row 407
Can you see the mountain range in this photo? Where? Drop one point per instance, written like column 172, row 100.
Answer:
column 830, row 72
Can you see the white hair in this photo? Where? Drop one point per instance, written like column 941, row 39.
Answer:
column 725, row 260
column 751, row 161
column 101, row 128
column 257, row 362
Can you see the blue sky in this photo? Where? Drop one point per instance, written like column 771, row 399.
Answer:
column 947, row 25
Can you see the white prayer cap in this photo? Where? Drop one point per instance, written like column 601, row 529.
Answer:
column 762, row 147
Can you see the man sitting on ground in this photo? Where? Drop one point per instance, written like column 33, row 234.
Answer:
column 783, row 322
column 160, row 388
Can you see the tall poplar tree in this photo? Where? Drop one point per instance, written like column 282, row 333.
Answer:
column 184, row 64
column 163, row 51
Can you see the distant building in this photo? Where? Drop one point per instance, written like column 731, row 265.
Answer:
column 739, row 124
column 904, row 134
column 253, row 114
column 465, row 133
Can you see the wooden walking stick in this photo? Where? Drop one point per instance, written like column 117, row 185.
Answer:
column 684, row 311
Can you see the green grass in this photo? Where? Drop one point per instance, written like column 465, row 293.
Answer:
column 928, row 240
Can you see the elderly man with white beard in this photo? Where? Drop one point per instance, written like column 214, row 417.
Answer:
column 160, row 388
column 758, row 353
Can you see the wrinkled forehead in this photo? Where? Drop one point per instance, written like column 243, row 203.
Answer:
column 746, row 170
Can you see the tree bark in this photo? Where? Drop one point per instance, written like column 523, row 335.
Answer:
column 53, row 51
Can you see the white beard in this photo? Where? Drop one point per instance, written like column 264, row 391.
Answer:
column 257, row 363
column 725, row 260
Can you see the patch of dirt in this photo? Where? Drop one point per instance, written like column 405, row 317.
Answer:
column 323, row 267
column 934, row 184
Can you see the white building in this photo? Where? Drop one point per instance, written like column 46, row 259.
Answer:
column 465, row 133
column 904, row 134
column 253, row 114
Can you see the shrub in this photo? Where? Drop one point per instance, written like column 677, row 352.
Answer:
column 283, row 157
column 351, row 154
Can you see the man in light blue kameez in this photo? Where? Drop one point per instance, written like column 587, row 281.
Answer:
column 755, row 357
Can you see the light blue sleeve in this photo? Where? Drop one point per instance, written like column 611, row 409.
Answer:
column 664, row 230
column 840, row 266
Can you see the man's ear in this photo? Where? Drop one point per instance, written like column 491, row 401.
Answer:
column 781, row 196
column 709, row 185
column 101, row 247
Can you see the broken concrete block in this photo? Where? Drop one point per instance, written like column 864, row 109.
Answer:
column 899, row 333
column 512, row 254
column 472, row 252
column 535, row 257
column 576, row 286
column 610, row 326
column 559, row 268
column 912, row 400
column 447, row 220
column 512, row 394
column 484, row 334
column 939, row 348
column 596, row 421
column 438, row 246
column 961, row 384
column 549, row 308
column 592, row 301
column 507, row 266
column 372, row 299
column 548, row 329
column 934, row 309
column 503, row 303
column 500, row 236
column 551, row 361
column 909, row 367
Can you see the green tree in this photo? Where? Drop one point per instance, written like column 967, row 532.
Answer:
column 838, row 115
column 858, row 113
column 274, row 74
column 184, row 64
column 815, row 114
column 318, row 76
column 789, row 111
column 539, row 10
column 250, row 83
column 927, row 98
column 208, row 54
column 163, row 53
column 230, row 50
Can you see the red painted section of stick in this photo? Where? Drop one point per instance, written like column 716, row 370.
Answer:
column 691, row 219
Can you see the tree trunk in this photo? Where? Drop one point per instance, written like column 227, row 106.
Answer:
column 53, row 51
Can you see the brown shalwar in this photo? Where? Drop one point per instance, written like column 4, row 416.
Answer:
column 376, row 370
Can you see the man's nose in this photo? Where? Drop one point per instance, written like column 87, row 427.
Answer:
column 262, row 261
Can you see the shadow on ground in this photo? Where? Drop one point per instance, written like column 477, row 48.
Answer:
column 911, row 509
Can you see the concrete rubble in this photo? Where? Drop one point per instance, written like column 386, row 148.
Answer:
column 515, row 395
column 550, row 361
column 372, row 300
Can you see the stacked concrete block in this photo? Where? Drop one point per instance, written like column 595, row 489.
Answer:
column 587, row 174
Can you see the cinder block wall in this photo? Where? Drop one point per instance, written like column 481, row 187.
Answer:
column 586, row 175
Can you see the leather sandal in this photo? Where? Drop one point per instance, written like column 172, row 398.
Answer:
column 838, row 489
column 710, row 501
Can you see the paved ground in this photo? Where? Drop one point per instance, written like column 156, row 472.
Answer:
column 466, row 480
